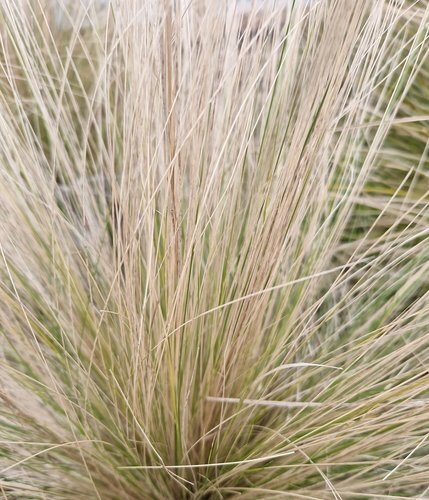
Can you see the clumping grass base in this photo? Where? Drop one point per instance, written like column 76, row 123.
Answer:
column 214, row 249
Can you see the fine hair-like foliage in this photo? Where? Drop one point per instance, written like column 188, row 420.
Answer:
column 214, row 267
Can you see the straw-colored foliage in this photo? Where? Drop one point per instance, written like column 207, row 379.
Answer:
column 214, row 249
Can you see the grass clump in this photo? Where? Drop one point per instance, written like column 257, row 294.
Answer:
column 214, row 249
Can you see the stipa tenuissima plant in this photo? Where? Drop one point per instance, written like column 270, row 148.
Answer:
column 214, row 254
